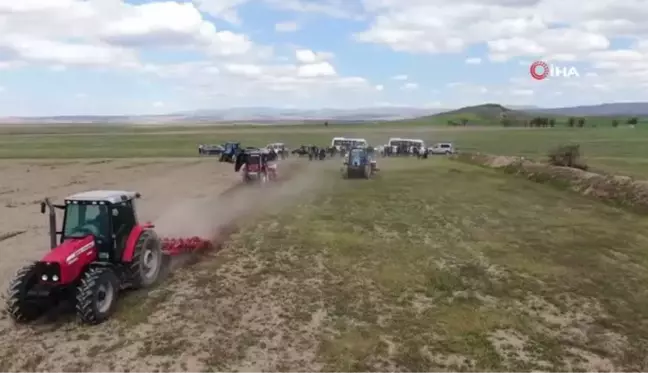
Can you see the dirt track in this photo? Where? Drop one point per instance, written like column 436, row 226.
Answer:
column 180, row 196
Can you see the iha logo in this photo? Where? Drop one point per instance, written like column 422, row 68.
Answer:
column 541, row 70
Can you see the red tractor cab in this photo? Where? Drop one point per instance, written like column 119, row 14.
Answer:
column 254, row 166
column 100, row 250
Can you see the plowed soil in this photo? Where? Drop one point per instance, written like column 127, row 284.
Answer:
column 181, row 196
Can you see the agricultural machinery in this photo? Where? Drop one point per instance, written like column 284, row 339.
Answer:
column 230, row 152
column 100, row 250
column 256, row 166
column 210, row 149
column 359, row 164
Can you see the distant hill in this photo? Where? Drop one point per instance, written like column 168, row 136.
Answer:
column 638, row 109
column 486, row 114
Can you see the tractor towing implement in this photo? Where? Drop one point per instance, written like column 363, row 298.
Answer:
column 256, row 166
column 100, row 250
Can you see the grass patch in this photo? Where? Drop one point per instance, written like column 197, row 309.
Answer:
column 618, row 150
column 440, row 265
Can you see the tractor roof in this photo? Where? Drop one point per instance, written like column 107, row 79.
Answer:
column 109, row 196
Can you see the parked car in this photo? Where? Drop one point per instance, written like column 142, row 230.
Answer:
column 442, row 148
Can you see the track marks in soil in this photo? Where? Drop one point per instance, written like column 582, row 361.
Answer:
column 150, row 330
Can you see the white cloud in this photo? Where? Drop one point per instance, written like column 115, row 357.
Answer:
column 243, row 69
column 510, row 28
column 112, row 34
column 108, row 32
column 331, row 8
column 317, row 69
column 410, row 86
column 473, row 61
column 400, row 77
column 158, row 104
column 308, row 56
column 380, row 87
column 286, row 27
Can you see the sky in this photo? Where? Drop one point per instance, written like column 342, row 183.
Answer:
column 82, row 57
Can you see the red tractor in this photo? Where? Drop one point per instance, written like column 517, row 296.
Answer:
column 100, row 250
column 256, row 166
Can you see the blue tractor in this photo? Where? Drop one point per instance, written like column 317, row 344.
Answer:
column 230, row 152
column 359, row 163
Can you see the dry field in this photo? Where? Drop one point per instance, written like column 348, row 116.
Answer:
column 182, row 197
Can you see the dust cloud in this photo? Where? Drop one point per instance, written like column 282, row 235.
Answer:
column 208, row 217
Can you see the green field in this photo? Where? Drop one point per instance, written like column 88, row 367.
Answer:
column 432, row 265
column 441, row 266
column 618, row 150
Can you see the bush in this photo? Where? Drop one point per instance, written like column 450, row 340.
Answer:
column 567, row 156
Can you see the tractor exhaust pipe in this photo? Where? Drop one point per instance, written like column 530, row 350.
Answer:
column 45, row 205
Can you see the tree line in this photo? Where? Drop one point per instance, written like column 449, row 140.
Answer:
column 541, row 122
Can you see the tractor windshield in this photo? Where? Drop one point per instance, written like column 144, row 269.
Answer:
column 357, row 157
column 254, row 159
column 82, row 220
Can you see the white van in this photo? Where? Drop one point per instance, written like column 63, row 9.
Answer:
column 339, row 142
column 396, row 142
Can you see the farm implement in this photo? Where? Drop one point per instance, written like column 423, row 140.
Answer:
column 100, row 250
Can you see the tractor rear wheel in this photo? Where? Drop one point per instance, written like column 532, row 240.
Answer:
column 19, row 308
column 96, row 295
column 146, row 265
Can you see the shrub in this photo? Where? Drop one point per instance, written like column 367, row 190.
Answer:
column 567, row 156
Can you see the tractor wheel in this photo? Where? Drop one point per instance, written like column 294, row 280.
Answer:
column 96, row 295
column 147, row 260
column 19, row 308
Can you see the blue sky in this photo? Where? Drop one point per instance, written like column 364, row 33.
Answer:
column 62, row 57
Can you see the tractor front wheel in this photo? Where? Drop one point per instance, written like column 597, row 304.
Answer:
column 96, row 295
column 146, row 265
column 19, row 308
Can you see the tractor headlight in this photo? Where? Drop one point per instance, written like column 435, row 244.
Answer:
column 55, row 278
column 44, row 277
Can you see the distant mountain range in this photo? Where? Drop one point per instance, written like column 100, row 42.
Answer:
column 261, row 115
column 264, row 115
